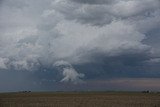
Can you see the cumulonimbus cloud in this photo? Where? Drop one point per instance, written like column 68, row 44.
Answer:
column 42, row 33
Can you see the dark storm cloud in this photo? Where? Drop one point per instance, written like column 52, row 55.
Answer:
column 127, row 65
column 95, row 1
column 105, row 11
column 76, row 40
column 1, row 2
column 15, row 80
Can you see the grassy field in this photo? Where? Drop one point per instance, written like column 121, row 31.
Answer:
column 80, row 99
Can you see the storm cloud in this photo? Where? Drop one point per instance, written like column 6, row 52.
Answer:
column 97, row 39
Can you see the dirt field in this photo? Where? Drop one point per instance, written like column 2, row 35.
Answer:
column 80, row 99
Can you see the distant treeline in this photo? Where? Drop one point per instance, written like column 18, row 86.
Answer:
column 24, row 91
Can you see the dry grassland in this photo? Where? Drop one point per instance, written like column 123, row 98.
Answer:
column 80, row 99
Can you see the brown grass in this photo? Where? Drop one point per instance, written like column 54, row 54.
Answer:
column 80, row 99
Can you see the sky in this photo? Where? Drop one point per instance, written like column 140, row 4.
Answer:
column 79, row 45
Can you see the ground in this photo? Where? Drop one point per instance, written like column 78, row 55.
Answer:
column 79, row 99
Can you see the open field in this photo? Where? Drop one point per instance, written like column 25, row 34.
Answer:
column 80, row 99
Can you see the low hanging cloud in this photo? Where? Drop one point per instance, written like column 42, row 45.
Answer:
column 69, row 73
column 3, row 62
column 42, row 33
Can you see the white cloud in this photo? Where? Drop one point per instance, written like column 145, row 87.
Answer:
column 128, row 8
column 113, row 39
column 69, row 73
column 3, row 62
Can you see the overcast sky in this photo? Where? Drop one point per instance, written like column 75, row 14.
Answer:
column 79, row 45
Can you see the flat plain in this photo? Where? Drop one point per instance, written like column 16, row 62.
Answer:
column 80, row 99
